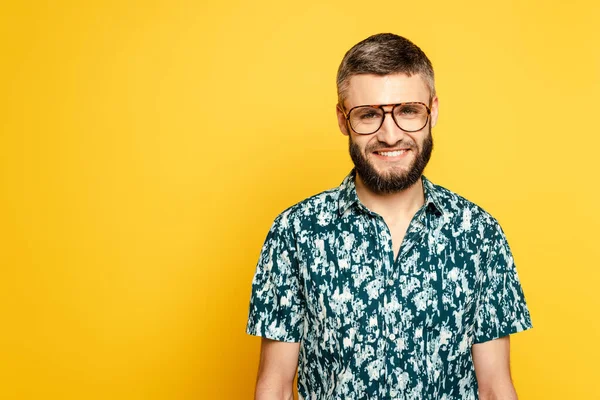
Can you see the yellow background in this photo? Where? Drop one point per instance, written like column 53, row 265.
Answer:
column 146, row 147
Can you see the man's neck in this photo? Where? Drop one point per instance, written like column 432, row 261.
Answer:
column 393, row 207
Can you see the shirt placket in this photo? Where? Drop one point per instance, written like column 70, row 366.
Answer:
column 430, row 334
column 385, row 342
column 415, row 233
column 379, row 275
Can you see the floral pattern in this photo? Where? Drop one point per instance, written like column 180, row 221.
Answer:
column 369, row 326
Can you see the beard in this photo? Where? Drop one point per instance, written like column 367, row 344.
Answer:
column 392, row 181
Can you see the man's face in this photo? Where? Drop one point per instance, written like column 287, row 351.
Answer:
column 385, row 173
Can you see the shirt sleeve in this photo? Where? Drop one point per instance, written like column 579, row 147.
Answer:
column 276, row 304
column 501, row 307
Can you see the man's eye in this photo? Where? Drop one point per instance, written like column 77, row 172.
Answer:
column 369, row 115
column 408, row 111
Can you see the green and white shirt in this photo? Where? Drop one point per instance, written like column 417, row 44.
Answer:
column 369, row 326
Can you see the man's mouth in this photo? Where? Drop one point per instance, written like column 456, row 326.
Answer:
column 391, row 153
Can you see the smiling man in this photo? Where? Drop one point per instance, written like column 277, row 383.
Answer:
column 388, row 286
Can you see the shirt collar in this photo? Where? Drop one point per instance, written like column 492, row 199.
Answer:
column 348, row 195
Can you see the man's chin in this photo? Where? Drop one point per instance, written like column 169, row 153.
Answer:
column 390, row 175
column 390, row 171
column 393, row 177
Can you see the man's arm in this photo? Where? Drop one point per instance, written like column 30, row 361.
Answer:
column 276, row 370
column 491, row 360
column 501, row 310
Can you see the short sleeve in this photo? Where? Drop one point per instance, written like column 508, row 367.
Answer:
column 501, row 308
column 276, row 304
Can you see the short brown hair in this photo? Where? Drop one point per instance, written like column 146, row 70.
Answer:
column 384, row 54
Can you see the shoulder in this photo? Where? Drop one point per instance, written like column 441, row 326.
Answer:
column 322, row 205
column 466, row 215
column 475, row 230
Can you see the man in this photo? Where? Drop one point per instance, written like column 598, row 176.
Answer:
column 388, row 286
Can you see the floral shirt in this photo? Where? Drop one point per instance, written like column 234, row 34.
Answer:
column 374, row 327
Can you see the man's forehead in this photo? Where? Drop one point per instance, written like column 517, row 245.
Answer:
column 386, row 89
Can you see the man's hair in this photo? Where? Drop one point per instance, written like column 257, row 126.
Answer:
column 384, row 54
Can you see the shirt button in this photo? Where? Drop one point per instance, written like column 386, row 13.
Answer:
column 390, row 282
column 392, row 336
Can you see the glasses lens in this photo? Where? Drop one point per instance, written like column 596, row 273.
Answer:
column 411, row 117
column 366, row 119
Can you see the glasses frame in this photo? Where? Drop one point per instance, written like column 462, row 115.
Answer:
column 380, row 106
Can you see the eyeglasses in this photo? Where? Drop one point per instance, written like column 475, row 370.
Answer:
column 410, row 117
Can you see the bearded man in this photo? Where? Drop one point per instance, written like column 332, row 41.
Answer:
column 388, row 286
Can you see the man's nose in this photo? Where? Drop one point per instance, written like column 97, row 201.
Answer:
column 389, row 132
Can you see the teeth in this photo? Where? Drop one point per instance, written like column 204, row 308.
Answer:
column 391, row 153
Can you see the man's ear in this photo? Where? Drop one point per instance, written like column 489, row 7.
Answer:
column 341, row 120
column 435, row 105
